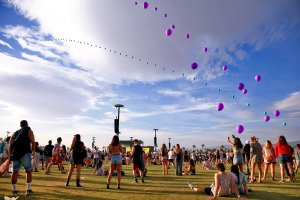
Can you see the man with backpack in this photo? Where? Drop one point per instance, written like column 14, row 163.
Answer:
column 21, row 146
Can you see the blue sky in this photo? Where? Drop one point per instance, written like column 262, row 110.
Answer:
column 65, row 87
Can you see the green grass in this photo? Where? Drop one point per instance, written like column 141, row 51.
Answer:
column 157, row 186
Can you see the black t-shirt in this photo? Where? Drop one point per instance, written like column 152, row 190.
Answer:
column 48, row 150
column 137, row 154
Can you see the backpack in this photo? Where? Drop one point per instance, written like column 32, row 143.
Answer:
column 18, row 143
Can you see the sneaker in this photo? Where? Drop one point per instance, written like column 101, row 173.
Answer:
column 118, row 187
column 15, row 193
column 143, row 181
column 135, row 181
column 107, row 186
column 28, row 192
column 190, row 185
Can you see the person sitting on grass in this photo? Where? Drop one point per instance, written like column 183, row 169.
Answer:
column 207, row 165
column 239, row 179
column 222, row 186
column 190, row 169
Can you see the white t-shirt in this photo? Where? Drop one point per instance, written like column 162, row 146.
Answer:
column 170, row 155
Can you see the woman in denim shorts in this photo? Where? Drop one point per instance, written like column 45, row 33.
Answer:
column 237, row 151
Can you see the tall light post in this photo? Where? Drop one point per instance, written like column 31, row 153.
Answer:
column 117, row 120
column 169, row 143
column 131, row 141
column 155, row 139
column 93, row 143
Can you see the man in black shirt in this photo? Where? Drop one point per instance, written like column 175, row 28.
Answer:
column 48, row 153
column 137, row 160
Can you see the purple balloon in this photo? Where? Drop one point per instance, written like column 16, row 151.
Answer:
column 239, row 129
column 220, row 106
column 257, row 77
column 225, row 67
column 146, row 5
column 240, row 86
column 267, row 118
column 245, row 91
column 168, row 32
column 165, row 14
column 276, row 113
column 173, row 26
column 155, row 8
column 135, row 3
column 205, row 49
column 194, row 65
column 187, row 36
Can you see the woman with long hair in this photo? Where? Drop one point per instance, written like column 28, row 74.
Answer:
column 283, row 153
column 256, row 158
column 190, row 168
column 78, row 152
column 115, row 150
column 237, row 147
column 164, row 158
column 239, row 180
column 269, row 159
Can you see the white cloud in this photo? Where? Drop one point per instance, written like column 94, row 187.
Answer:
column 290, row 103
column 5, row 44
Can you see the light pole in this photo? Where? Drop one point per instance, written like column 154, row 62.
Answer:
column 169, row 143
column 93, row 143
column 117, row 120
column 131, row 141
column 155, row 139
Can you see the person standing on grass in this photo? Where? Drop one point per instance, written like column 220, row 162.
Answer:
column 178, row 159
column 284, row 155
column 21, row 146
column 48, row 153
column 164, row 159
column 171, row 158
column 36, row 157
column 256, row 157
column 269, row 159
column 137, row 160
column 246, row 152
column 56, row 158
column 297, row 157
column 115, row 150
column 78, row 152
column 237, row 152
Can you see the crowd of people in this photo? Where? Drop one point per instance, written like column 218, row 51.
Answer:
column 21, row 149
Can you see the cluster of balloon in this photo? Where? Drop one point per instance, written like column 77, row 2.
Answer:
column 239, row 129
column 220, row 106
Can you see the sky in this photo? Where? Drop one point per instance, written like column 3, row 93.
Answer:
column 65, row 64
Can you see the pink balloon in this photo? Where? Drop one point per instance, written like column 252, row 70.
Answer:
column 276, row 113
column 225, row 67
column 239, row 129
column 220, row 107
column 168, row 32
column 245, row 91
column 267, row 118
column 257, row 77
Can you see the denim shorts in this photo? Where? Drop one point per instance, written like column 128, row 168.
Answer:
column 283, row 158
column 116, row 159
column 238, row 159
column 25, row 161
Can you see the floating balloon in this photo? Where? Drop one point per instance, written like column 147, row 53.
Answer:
column 165, row 14
column 276, row 113
column 205, row 49
column 135, row 3
column 265, row 113
column 219, row 89
column 194, row 65
column 168, row 32
column 155, row 8
column 220, row 106
column 233, row 96
column 187, row 36
column 267, row 118
column 240, row 86
column 245, row 91
column 225, row 67
column 205, row 83
column 146, row 5
column 284, row 123
column 248, row 104
column 239, row 129
column 257, row 77
column 173, row 26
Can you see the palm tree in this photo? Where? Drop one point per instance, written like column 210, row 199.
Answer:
column 202, row 145
column 194, row 146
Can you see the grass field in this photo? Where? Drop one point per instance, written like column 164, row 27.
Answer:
column 156, row 186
